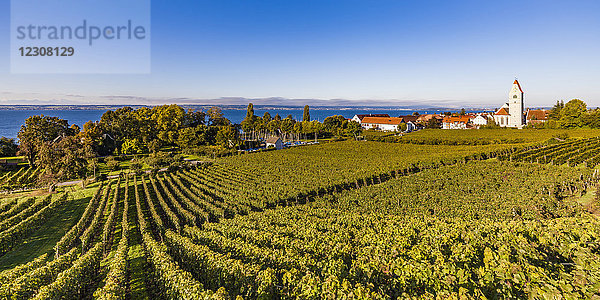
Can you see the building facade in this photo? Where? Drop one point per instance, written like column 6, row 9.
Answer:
column 511, row 114
column 381, row 123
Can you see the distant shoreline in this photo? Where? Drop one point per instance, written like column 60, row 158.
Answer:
column 243, row 107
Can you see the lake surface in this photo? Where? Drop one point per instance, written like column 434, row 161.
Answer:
column 11, row 120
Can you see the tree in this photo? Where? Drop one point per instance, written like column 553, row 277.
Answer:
column 306, row 115
column 193, row 137
column 555, row 113
column 39, row 130
column 132, row 146
column 248, row 122
column 216, row 118
column 334, row 124
column 250, row 112
column 92, row 135
column 592, row 118
column 169, row 120
column 193, row 118
column 154, row 146
column 62, row 159
column 433, row 123
column 353, row 129
column 572, row 114
column 227, row 137
column 266, row 117
column 462, row 112
column 8, row 147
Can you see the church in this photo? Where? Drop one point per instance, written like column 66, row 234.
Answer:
column 511, row 113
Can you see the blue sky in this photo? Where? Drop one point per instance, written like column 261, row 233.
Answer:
column 429, row 51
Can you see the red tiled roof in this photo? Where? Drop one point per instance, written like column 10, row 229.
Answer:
column 409, row 118
column 537, row 114
column 502, row 112
column 459, row 119
column 372, row 115
column 382, row 120
column 517, row 83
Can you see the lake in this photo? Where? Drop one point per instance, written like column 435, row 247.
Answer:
column 11, row 120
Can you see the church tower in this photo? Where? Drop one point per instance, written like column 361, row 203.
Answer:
column 515, row 106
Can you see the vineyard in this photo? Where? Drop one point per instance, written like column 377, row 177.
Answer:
column 360, row 220
column 481, row 137
column 24, row 177
column 572, row 153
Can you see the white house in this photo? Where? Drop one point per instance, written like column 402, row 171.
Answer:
column 381, row 123
column 359, row 118
column 456, row 122
column 480, row 120
column 511, row 113
column 275, row 142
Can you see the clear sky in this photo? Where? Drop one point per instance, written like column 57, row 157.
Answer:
column 466, row 51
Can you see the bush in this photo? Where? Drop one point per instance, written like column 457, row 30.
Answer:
column 112, row 163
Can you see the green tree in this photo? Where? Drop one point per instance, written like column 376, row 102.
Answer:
column 248, row 122
column 193, row 118
column 227, row 137
column 572, row 115
column 215, row 117
column 592, row 118
column 37, row 131
column 266, row 117
column 169, row 120
column 8, row 147
column 62, row 159
column 462, row 112
column 193, row 137
column 93, row 136
column 556, row 112
column 306, row 115
column 250, row 112
column 433, row 123
column 353, row 129
column 133, row 146
column 112, row 163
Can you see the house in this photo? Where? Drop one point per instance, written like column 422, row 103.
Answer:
column 381, row 123
column 409, row 118
column 480, row 120
column 501, row 117
column 358, row 118
column 511, row 113
column 456, row 122
column 424, row 119
column 274, row 142
column 537, row 116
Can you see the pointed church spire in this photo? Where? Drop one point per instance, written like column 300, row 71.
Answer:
column 517, row 83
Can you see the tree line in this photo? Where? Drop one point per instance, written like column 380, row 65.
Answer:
column 64, row 151
column 256, row 127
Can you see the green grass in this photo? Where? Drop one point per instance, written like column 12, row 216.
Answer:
column 44, row 239
column 136, row 258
